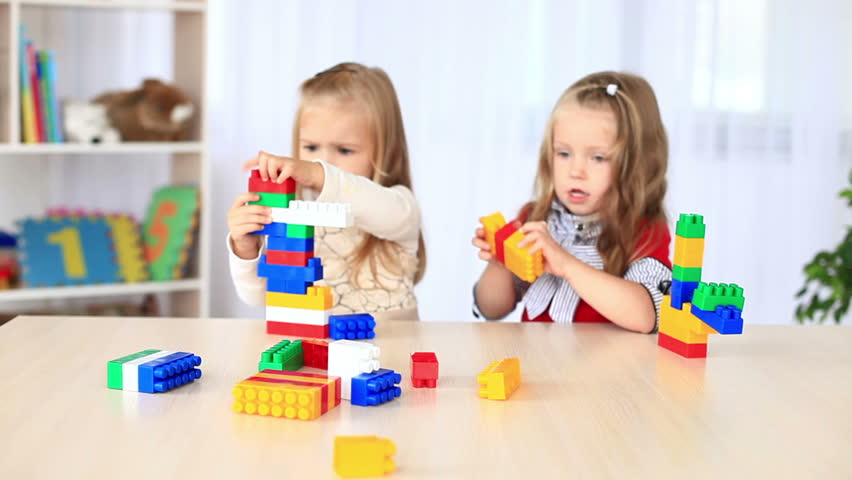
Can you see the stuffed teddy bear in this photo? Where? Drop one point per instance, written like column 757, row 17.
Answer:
column 86, row 122
column 154, row 112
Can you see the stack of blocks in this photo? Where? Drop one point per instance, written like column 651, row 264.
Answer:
column 153, row 371
column 365, row 383
column 694, row 309
column 294, row 306
column 503, row 238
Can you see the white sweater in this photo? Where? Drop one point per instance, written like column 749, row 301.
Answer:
column 390, row 213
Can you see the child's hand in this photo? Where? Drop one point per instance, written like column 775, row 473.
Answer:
column 244, row 219
column 278, row 169
column 556, row 259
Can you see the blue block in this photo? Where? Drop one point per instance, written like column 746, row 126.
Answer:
column 727, row 320
column 290, row 244
column 682, row 292
column 287, row 286
column 354, row 326
column 276, row 229
column 166, row 373
column 375, row 388
column 311, row 273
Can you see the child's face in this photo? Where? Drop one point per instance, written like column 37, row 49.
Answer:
column 582, row 166
column 337, row 132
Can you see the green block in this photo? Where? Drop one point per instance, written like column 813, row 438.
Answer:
column 115, row 377
column 284, row 355
column 690, row 226
column 708, row 296
column 685, row 274
column 300, row 231
column 281, row 200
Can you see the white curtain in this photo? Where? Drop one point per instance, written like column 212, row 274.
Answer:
column 752, row 93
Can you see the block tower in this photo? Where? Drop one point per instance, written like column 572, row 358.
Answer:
column 294, row 305
column 694, row 309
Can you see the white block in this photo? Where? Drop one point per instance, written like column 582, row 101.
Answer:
column 318, row 214
column 130, row 370
column 348, row 358
column 298, row 315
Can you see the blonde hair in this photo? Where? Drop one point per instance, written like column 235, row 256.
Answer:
column 373, row 90
column 640, row 157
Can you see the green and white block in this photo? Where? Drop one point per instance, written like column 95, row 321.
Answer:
column 152, row 371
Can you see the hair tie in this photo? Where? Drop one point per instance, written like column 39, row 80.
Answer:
column 611, row 89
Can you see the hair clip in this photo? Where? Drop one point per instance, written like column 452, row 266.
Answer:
column 335, row 70
column 611, row 89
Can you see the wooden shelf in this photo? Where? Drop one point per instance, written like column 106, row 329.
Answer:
column 94, row 149
column 89, row 291
column 185, row 6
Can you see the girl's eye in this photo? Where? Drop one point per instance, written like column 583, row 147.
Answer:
column 600, row 158
column 345, row 151
column 563, row 154
column 310, row 148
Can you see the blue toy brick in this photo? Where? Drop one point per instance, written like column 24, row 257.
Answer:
column 311, row 273
column 287, row 286
column 682, row 292
column 369, row 389
column 727, row 320
column 275, row 229
column 290, row 244
column 354, row 326
column 166, row 373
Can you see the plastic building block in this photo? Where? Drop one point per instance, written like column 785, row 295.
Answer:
column 258, row 184
column 682, row 292
column 686, row 274
column 284, row 355
column 709, row 296
column 310, row 273
column 298, row 315
column 424, row 369
column 500, row 379
column 128, row 249
column 347, row 359
column 288, row 286
column 363, row 456
column 300, row 231
column 500, row 238
column 115, row 378
column 282, row 257
column 519, row 261
column 371, row 389
column 690, row 226
column 315, row 298
column 169, row 231
column 153, row 371
column 491, row 224
column 275, row 200
column 319, row 214
column 274, row 229
column 682, row 317
column 316, row 353
column 304, row 396
column 290, row 244
column 352, row 326
column 672, row 324
column 726, row 320
column 296, row 329
column 688, row 350
column 689, row 252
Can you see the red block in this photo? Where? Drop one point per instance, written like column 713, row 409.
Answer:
column 283, row 257
column 316, row 353
column 500, row 237
column 257, row 184
column 296, row 329
column 424, row 369
column 688, row 350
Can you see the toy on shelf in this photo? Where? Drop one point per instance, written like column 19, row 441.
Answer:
column 156, row 111
column 295, row 395
column 169, row 231
column 153, row 371
column 503, row 238
column 8, row 261
column 363, row 456
column 500, row 379
column 693, row 309
column 424, row 369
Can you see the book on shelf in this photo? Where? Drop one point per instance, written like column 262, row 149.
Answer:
column 40, row 111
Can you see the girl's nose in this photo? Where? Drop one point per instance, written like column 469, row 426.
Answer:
column 577, row 168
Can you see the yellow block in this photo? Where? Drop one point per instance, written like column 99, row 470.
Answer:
column 682, row 324
column 689, row 252
column 492, row 223
column 284, row 400
column 500, row 379
column 363, row 456
column 319, row 381
column 317, row 298
column 527, row 267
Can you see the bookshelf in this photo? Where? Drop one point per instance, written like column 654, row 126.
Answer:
column 22, row 182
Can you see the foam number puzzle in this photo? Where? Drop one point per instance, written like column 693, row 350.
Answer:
column 67, row 250
column 169, row 231
column 128, row 249
column 503, row 238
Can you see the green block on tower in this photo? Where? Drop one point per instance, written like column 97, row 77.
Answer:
column 281, row 200
column 300, row 231
column 284, row 355
column 708, row 296
column 690, row 226
column 685, row 274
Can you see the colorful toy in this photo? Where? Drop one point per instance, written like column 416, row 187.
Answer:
column 348, row 359
column 297, row 395
column 500, row 379
column 169, row 231
column 284, row 355
column 693, row 310
column 371, row 389
column 363, row 456
column 424, row 369
column 316, row 353
column 128, row 249
column 352, row 326
column 153, row 371
column 504, row 239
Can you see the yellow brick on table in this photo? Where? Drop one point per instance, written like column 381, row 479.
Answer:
column 500, row 379
column 363, row 456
